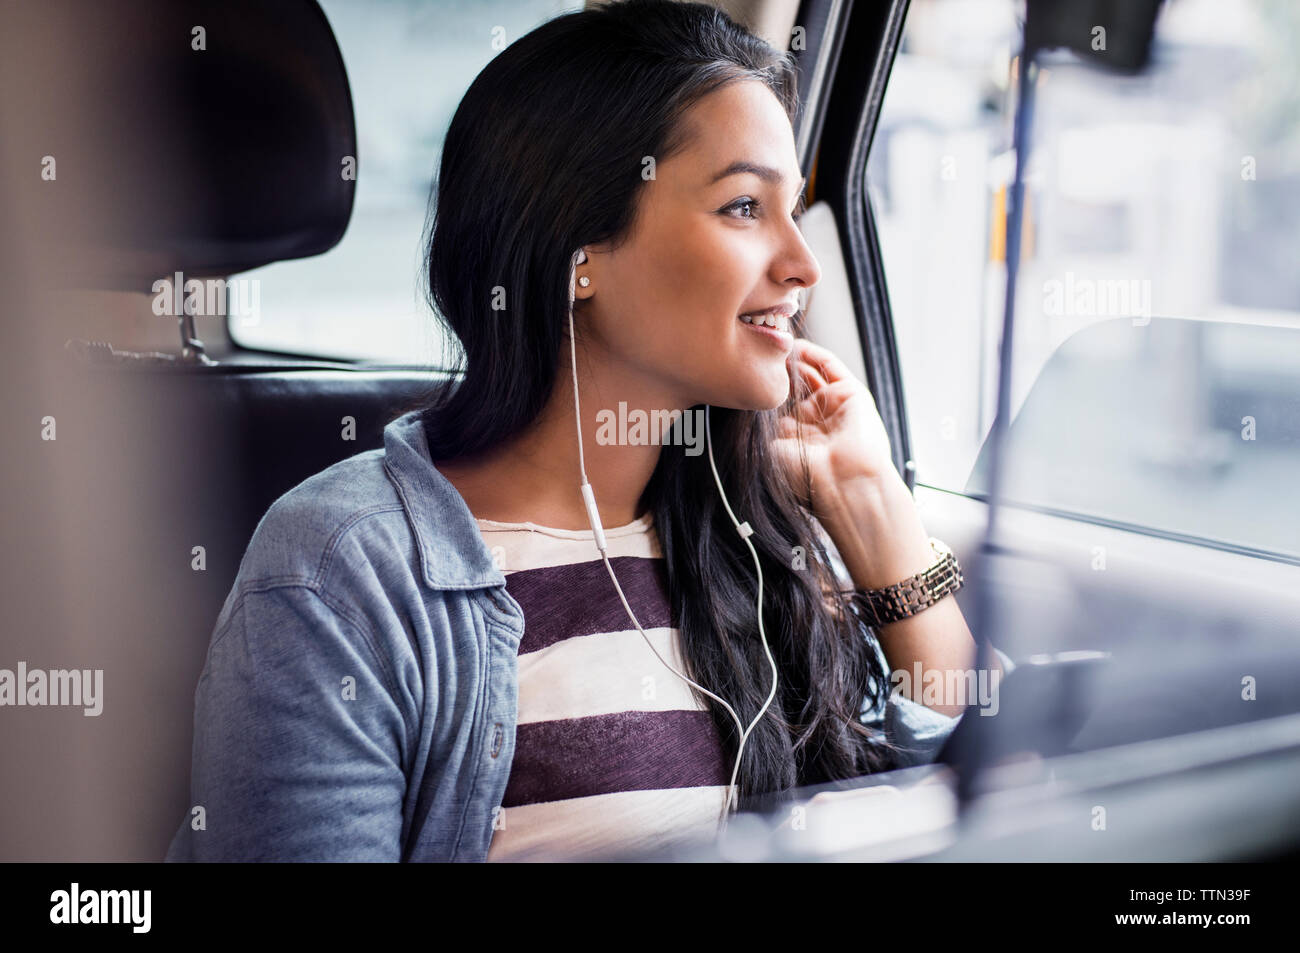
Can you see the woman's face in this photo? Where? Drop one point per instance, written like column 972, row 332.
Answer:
column 714, row 239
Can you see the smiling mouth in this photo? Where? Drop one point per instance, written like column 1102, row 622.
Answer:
column 774, row 320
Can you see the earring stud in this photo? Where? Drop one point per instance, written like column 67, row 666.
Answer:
column 584, row 281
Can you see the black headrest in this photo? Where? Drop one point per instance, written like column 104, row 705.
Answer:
column 202, row 136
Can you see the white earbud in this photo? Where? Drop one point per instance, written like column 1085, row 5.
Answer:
column 598, row 531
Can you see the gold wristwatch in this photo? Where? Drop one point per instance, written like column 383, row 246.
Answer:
column 879, row 607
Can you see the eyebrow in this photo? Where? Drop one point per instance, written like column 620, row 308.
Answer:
column 764, row 172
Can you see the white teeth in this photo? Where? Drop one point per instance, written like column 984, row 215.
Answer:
column 778, row 321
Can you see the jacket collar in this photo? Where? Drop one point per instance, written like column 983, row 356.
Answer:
column 453, row 554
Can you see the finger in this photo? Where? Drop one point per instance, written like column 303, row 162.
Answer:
column 807, row 398
column 787, row 426
column 812, row 410
column 808, row 376
column 807, row 373
column 799, row 413
column 805, row 412
column 826, row 363
column 822, row 405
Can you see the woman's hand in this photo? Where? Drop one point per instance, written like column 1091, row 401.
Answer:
column 866, row 508
column 853, row 488
column 843, row 436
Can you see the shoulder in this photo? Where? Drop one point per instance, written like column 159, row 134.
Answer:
column 332, row 567
column 346, row 519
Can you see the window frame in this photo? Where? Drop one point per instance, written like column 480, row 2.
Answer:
column 853, row 104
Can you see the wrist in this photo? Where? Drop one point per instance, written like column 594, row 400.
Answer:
column 874, row 524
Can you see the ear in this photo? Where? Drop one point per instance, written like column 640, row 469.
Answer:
column 579, row 292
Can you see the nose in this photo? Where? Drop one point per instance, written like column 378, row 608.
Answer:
column 795, row 264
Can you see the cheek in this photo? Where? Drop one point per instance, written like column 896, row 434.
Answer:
column 707, row 276
column 679, row 294
column 683, row 288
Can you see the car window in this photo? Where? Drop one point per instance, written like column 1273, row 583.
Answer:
column 1159, row 258
column 1156, row 426
column 408, row 64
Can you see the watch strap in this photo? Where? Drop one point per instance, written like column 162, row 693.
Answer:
column 914, row 594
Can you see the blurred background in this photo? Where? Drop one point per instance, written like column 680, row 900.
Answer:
column 1153, row 458
column 1159, row 289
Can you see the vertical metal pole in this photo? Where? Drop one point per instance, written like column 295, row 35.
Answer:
column 985, row 615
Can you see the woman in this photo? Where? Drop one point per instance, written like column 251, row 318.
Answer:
column 424, row 655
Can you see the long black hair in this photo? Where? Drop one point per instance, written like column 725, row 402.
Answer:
column 544, row 155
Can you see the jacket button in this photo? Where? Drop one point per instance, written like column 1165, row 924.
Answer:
column 498, row 737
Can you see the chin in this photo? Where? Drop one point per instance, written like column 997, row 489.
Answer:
column 756, row 394
column 774, row 390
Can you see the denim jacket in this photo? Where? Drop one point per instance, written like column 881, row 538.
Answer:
column 358, row 699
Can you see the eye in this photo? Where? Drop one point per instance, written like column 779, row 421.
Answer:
column 743, row 203
column 753, row 204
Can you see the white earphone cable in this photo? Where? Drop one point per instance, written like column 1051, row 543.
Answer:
column 744, row 529
column 745, row 532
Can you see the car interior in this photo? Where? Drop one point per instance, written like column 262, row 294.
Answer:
column 125, row 532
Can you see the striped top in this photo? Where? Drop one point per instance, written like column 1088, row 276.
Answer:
column 613, row 752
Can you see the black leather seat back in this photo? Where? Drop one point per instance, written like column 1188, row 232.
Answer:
column 202, row 136
column 207, row 137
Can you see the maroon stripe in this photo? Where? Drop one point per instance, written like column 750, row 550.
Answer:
column 623, row 751
column 564, row 602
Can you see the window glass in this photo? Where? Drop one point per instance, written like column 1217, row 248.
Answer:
column 408, row 64
column 1156, row 377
